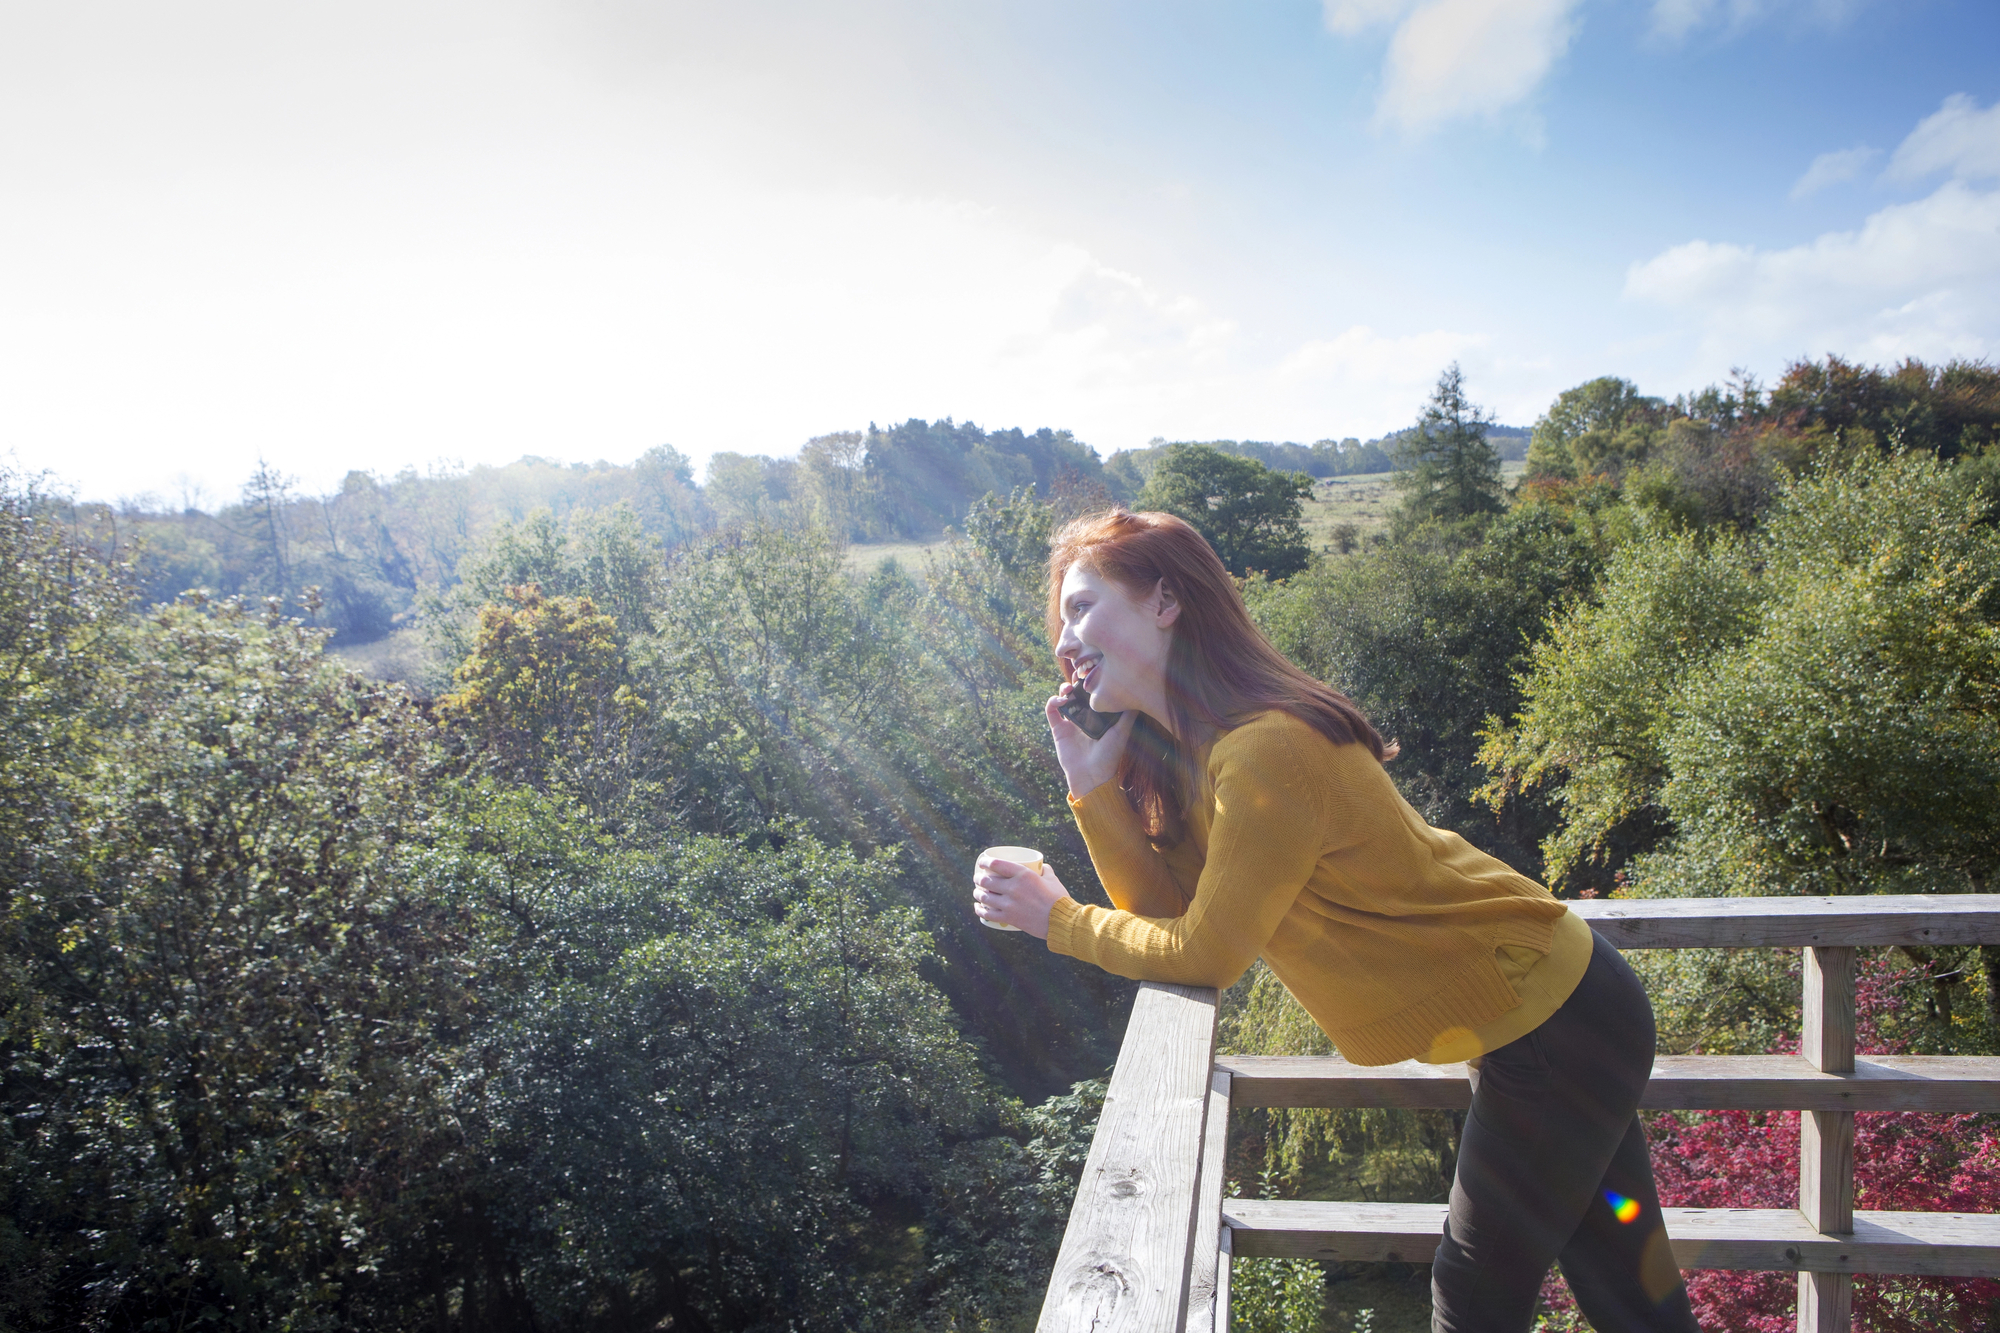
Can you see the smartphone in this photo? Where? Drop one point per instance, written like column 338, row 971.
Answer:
column 1078, row 710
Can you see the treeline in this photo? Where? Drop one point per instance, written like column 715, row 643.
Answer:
column 1128, row 470
column 374, row 547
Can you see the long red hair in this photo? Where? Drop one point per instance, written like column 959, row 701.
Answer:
column 1221, row 670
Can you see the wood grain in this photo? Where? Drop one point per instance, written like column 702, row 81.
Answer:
column 1743, row 923
column 1935, row 1244
column 1826, row 1138
column 1123, row 1265
column 1206, row 1262
column 1952, row 1083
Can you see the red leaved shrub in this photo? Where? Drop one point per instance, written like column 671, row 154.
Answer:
column 1904, row 1162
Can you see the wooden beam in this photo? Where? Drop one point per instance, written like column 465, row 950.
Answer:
column 1743, row 923
column 1932, row 1244
column 1123, row 1265
column 1946, row 1083
column 1207, row 1265
column 1826, row 1137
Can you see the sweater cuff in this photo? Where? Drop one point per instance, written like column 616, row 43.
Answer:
column 1092, row 796
column 1062, row 917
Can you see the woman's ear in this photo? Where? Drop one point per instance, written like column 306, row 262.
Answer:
column 1166, row 608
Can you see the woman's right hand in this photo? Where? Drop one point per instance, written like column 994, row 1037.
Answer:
column 1087, row 763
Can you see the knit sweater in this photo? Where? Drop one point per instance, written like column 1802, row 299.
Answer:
column 1303, row 852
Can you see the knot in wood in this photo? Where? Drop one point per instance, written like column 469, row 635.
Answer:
column 1130, row 1185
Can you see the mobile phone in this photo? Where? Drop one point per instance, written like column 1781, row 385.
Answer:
column 1078, row 710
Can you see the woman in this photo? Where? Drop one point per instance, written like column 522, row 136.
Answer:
column 1239, row 809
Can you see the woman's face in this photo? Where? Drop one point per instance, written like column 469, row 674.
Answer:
column 1115, row 644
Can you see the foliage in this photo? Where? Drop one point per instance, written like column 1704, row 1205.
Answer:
column 1250, row 514
column 1377, row 1154
column 1449, row 471
column 546, row 697
column 1812, row 712
column 927, row 473
column 229, row 1011
column 1921, row 1162
column 1603, row 427
column 1014, row 533
column 1425, row 633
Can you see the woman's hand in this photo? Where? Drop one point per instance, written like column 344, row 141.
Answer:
column 1087, row 763
column 1011, row 894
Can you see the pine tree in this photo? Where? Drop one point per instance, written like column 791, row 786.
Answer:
column 1447, row 469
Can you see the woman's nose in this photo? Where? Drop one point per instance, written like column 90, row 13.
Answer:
column 1067, row 644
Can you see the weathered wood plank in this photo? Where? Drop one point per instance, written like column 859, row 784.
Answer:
column 1743, row 923
column 1826, row 1138
column 1935, row 1244
column 1952, row 1083
column 1223, row 1259
column 1206, row 1264
column 1328, row 1080
column 1123, row 1265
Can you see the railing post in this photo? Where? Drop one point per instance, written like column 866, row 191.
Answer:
column 1826, row 1138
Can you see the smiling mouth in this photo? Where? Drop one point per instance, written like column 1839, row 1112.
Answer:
column 1084, row 672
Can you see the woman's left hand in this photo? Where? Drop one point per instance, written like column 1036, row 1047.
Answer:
column 1013, row 895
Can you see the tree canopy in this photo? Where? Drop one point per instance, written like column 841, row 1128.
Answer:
column 1250, row 514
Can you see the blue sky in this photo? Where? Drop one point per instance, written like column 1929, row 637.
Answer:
column 382, row 235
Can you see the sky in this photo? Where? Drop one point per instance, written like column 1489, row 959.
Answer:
column 437, row 233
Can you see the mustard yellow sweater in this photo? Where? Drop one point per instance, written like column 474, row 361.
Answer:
column 1303, row 852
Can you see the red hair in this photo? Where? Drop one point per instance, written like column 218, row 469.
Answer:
column 1221, row 670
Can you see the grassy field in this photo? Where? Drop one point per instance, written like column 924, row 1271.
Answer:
column 1363, row 502
column 863, row 557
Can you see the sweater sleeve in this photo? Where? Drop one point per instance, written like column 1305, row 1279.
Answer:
column 1133, row 873
column 1263, row 844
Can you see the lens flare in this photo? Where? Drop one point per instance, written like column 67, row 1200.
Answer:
column 1624, row 1209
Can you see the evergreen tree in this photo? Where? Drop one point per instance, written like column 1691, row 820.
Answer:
column 1448, row 469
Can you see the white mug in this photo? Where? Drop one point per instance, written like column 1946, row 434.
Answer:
column 1026, row 857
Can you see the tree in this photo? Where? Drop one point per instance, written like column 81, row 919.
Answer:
column 229, row 1008
column 547, row 698
column 1448, row 470
column 1250, row 514
column 1605, row 425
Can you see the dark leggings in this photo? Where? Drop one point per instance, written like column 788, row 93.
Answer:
column 1554, row 1130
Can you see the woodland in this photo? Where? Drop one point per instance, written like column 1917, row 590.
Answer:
column 538, row 897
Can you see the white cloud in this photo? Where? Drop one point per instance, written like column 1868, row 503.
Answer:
column 1674, row 20
column 1456, row 58
column 1833, row 168
column 1453, row 58
column 1916, row 279
column 1958, row 138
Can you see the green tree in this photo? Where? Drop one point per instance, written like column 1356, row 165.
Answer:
column 1250, row 514
column 1813, row 709
column 1603, row 426
column 231, row 1010
column 1446, row 468
column 1425, row 635
column 547, row 697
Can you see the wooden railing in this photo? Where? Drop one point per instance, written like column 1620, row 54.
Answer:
column 1150, row 1236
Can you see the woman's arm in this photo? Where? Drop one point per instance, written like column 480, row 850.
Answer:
column 1267, row 836
column 1135, row 875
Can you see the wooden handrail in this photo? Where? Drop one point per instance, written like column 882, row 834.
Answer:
column 1150, row 1237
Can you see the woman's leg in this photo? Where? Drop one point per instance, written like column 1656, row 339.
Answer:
column 1552, row 1128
